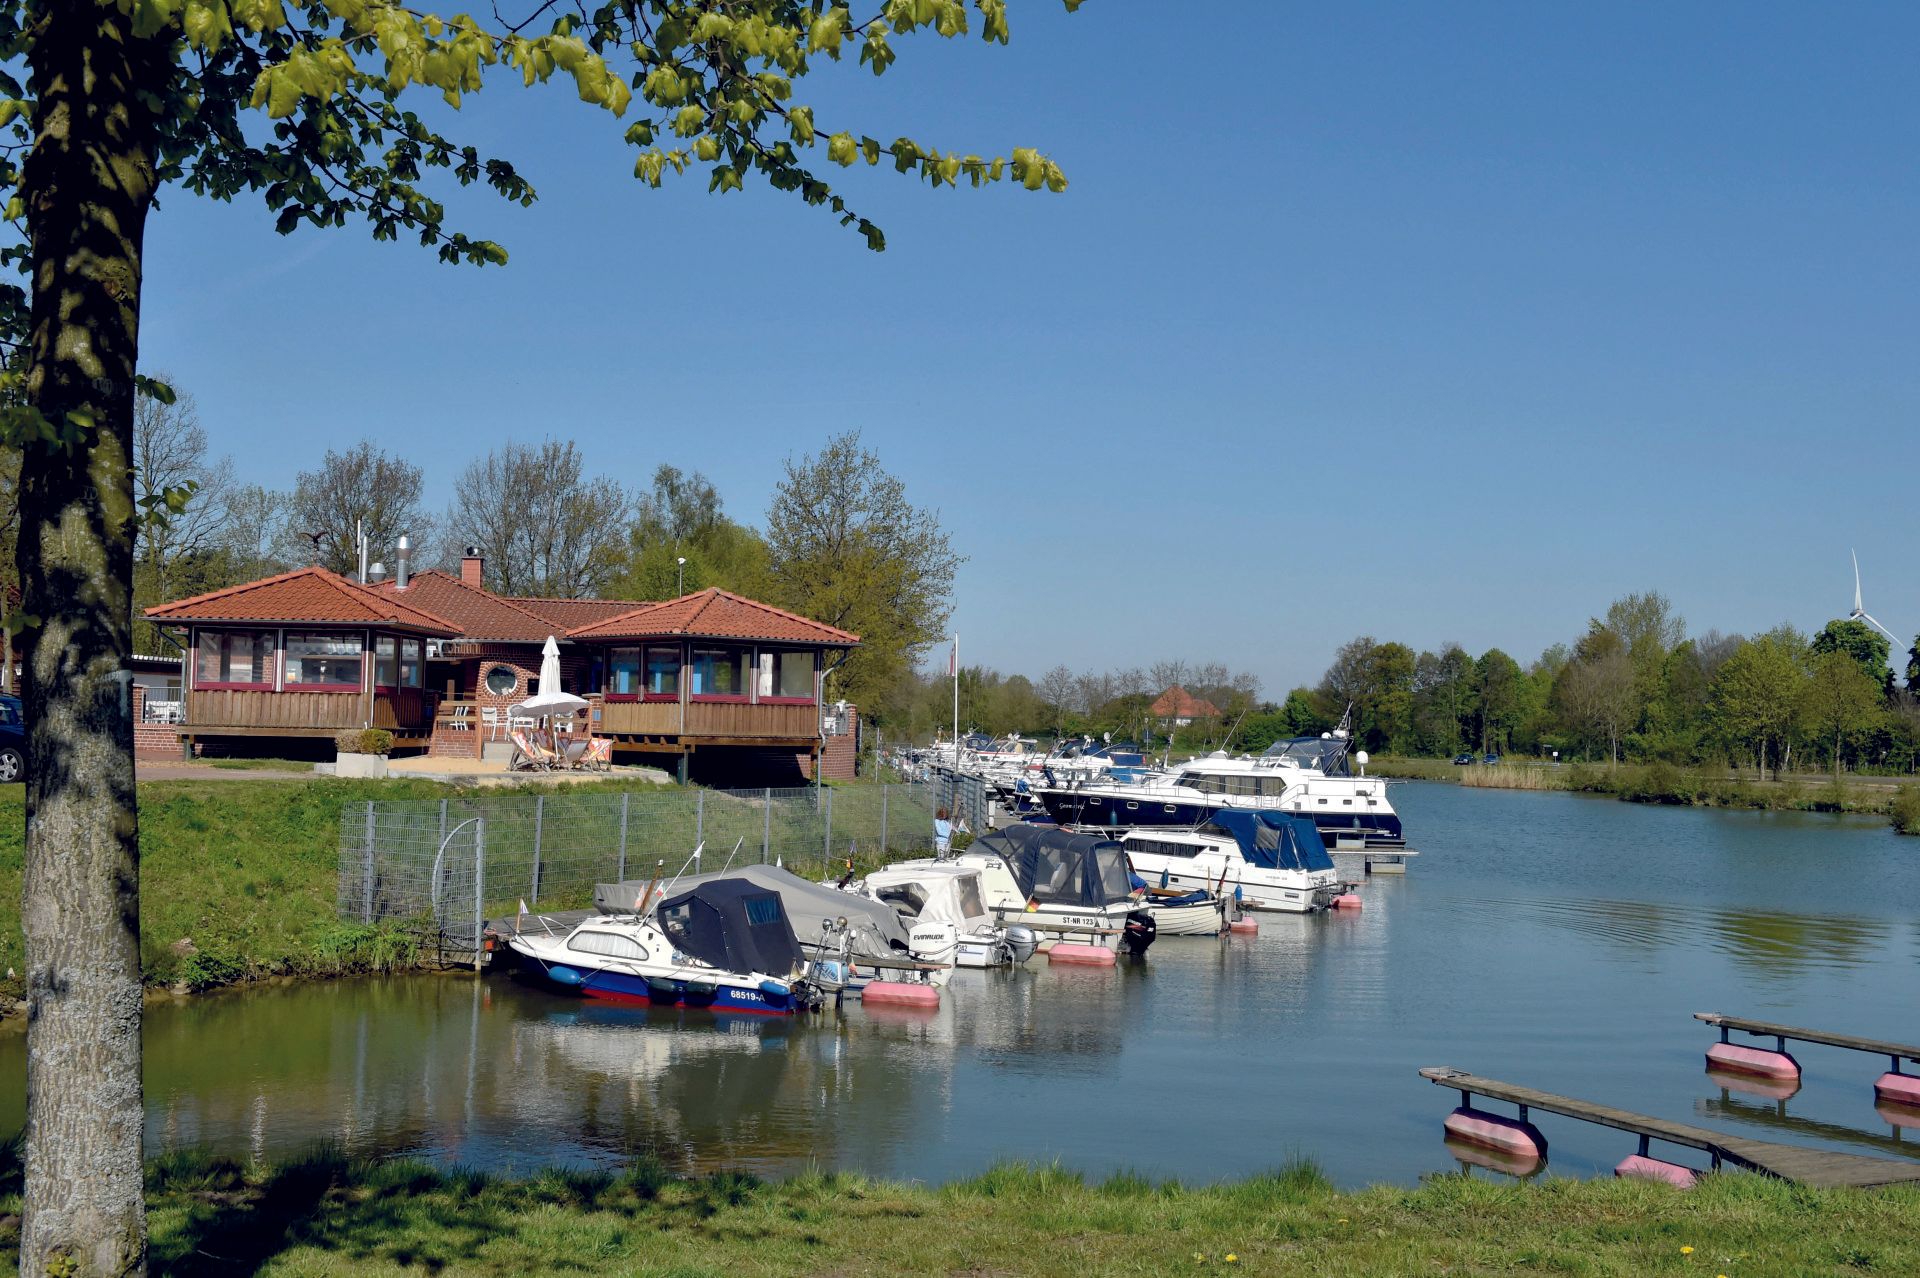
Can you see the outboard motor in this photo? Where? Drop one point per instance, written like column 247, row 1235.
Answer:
column 935, row 943
column 1139, row 934
column 1019, row 942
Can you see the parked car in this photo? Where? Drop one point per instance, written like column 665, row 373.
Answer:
column 1463, row 758
column 1491, row 759
column 13, row 740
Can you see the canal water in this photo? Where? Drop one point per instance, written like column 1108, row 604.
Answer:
column 1547, row 939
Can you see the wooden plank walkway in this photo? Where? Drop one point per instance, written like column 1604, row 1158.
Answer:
column 1815, row 1167
column 1875, row 1046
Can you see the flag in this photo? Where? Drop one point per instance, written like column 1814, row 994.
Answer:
column 953, row 659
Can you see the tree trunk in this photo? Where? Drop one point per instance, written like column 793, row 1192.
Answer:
column 88, row 184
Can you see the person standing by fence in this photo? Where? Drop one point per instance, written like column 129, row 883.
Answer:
column 942, row 832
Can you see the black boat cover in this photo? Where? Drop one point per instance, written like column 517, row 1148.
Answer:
column 1054, row 867
column 735, row 925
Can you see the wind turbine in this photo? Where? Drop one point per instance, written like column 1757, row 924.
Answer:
column 1859, row 613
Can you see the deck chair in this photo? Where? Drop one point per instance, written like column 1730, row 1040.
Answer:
column 530, row 754
column 598, row 756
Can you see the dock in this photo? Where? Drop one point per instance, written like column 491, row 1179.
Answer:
column 1816, row 1168
column 1895, row 1052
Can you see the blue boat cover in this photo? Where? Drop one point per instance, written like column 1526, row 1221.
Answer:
column 1057, row 868
column 734, row 924
column 1275, row 840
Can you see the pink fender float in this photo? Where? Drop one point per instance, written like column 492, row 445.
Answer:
column 1346, row 901
column 1761, row 1062
column 1510, row 1136
column 900, row 994
column 1087, row 955
column 1244, row 926
column 1520, row 1166
column 1898, row 1089
column 1640, row 1167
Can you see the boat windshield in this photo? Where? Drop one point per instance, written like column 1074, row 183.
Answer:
column 1316, row 754
column 967, row 888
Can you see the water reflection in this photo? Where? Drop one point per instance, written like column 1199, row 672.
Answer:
column 1776, row 1120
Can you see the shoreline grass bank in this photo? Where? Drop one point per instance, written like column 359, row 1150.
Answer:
column 1664, row 783
column 325, row 1214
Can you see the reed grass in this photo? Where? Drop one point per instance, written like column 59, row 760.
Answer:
column 328, row 1214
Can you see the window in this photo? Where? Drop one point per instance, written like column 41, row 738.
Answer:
column 789, row 676
column 317, row 660
column 412, row 673
column 502, row 680
column 607, row 944
column 719, row 672
column 233, row 658
column 1243, row 785
column 663, row 670
column 386, row 662
column 623, row 672
column 968, row 886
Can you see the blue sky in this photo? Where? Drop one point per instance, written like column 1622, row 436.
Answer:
column 1439, row 323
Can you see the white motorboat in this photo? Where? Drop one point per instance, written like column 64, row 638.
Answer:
column 942, row 898
column 1268, row 860
column 1065, row 886
column 1195, row 913
column 724, row 946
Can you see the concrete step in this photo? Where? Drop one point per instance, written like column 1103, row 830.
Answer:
column 498, row 751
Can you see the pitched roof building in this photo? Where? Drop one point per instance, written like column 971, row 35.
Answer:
column 1178, row 707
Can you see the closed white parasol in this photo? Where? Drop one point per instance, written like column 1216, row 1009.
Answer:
column 550, row 700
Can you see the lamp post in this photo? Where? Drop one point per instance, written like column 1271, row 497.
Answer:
column 680, row 575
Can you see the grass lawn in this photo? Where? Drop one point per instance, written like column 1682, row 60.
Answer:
column 329, row 1216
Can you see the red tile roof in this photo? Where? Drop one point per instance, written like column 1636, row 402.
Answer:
column 480, row 614
column 571, row 614
column 305, row 595
column 716, row 614
column 1177, row 703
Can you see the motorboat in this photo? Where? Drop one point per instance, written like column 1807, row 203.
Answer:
column 943, row 894
column 863, row 936
column 723, row 946
column 1267, row 860
column 1309, row 776
column 1065, row 886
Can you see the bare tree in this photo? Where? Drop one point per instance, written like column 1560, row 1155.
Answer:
column 361, row 485
column 1056, row 690
column 170, row 453
column 546, row 526
column 1165, row 674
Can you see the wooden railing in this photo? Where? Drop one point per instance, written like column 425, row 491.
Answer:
column 706, row 719
column 403, row 710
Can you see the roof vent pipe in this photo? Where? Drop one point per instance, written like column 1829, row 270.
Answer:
column 377, row 573
column 402, row 563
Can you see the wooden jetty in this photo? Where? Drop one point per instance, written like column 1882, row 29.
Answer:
column 1895, row 1052
column 1815, row 1167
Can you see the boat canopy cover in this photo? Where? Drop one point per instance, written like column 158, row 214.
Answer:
column 1325, row 754
column 935, row 893
column 877, row 930
column 735, row 925
column 1057, row 868
column 1275, row 840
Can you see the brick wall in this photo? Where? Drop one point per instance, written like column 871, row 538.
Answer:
column 840, row 759
column 151, row 738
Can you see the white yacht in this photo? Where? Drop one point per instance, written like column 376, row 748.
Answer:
column 1065, row 886
column 1304, row 775
column 1269, row 860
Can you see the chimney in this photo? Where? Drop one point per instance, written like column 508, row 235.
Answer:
column 473, row 567
column 402, row 563
column 376, row 574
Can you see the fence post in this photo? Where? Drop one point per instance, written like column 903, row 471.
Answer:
column 826, row 834
column 699, row 817
column 479, row 891
column 766, row 827
column 621, row 877
column 366, row 871
column 443, row 822
column 884, row 789
column 539, row 818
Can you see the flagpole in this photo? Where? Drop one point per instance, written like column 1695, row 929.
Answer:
column 953, row 802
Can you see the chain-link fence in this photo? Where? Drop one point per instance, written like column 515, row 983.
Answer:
column 455, row 862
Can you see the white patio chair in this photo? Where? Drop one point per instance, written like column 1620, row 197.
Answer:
column 490, row 720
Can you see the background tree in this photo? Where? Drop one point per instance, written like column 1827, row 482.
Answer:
column 177, row 556
column 548, row 528
column 1497, row 680
column 1056, row 693
column 122, row 98
column 681, row 517
column 849, row 549
column 361, row 488
column 1839, row 701
column 1756, row 693
column 1867, row 647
